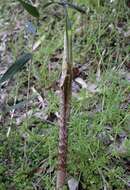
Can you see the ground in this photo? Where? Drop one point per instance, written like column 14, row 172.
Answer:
column 99, row 132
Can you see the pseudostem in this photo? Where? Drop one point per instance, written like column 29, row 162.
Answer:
column 66, row 91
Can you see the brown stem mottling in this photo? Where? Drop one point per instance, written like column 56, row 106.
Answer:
column 66, row 90
column 63, row 131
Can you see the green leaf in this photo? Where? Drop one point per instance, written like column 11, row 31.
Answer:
column 31, row 9
column 73, row 6
column 48, row 4
column 19, row 105
column 16, row 67
column 77, row 8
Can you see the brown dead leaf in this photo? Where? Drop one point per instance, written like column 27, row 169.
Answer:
column 76, row 72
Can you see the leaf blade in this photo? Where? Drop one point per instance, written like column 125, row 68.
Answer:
column 16, row 67
column 77, row 8
column 71, row 5
column 30, row 9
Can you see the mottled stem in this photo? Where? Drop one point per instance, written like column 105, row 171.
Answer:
column 66, row 91
column 63, row 132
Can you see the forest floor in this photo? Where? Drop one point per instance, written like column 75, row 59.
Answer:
column 99, row 128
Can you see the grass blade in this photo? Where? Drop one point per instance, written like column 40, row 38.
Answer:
column 48, row 4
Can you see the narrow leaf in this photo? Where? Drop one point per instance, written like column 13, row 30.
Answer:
column 19, row 105
column 16, row 67
column 73, row 6
column 48, row 4
column 30, row 9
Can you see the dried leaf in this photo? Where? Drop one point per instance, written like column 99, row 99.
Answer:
column 91, row 87
column 81, row 82
column 73, row 184
column 127, row 34
column 38, row 43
